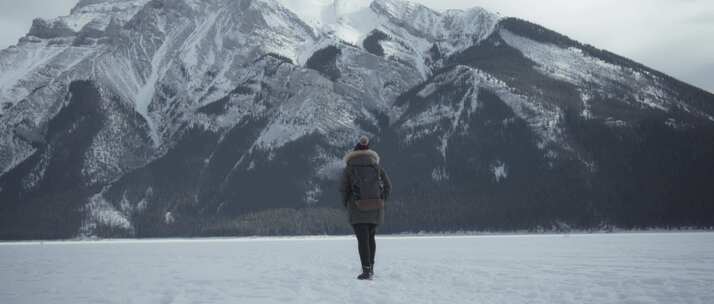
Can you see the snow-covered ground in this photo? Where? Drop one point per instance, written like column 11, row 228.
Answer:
column 598, row 268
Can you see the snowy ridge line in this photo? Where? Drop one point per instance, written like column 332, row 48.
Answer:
column 412, row 27
column 574, row 66
column 99, row 13
column 401, row 236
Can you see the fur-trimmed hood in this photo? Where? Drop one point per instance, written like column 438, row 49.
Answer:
column 355, row 154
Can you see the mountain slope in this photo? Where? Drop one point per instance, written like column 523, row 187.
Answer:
column 163, row 118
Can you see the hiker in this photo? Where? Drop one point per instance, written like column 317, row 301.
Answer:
column 365, row 187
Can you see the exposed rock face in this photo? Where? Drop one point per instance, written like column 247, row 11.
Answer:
column 164, row 118
column 50, row 29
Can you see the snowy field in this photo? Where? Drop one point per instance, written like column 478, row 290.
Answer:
column 599, row 268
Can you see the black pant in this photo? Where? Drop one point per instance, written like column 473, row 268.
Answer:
column 365, row 242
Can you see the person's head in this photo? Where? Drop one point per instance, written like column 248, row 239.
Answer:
column 363, row 143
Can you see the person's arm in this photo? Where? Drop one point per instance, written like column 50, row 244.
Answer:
column 345, row 188
column 387, row 184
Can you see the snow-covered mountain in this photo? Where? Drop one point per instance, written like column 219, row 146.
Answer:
column 187, row 117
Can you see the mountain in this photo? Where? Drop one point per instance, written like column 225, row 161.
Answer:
column 138, row 118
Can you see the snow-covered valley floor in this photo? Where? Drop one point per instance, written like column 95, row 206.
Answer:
column 597, row 268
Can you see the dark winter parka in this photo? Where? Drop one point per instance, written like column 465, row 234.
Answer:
column 362, row 158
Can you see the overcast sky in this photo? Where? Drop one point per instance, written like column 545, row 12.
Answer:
column 673, row 36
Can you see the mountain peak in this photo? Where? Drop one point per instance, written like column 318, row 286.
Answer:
column 87, row 3
column 399, row 6
column 97, row 12
column 321, row 12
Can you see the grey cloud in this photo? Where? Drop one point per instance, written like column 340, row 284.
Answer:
column 703, row 18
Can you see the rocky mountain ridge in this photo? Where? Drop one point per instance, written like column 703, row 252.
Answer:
column 162, row 118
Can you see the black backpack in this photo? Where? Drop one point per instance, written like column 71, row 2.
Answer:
column 367, row 182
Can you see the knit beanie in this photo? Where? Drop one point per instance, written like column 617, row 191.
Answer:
column 363, row 143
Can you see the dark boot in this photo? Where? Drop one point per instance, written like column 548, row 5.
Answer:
column 366, row 273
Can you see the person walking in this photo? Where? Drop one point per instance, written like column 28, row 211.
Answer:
column 365, row 187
